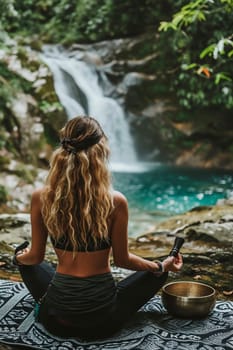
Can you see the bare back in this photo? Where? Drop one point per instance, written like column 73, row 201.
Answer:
column 84, row 263
column 92, row 263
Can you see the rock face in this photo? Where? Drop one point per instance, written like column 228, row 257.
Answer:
column 30, row 117
column 204, row 228
column 33, row 109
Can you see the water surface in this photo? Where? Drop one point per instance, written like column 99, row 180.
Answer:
column 165, row 191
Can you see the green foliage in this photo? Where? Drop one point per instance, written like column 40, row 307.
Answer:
column 47, row 107
column 195, row 92
column 7, row 10
column 201, row 33
column 69, row 21
column 195, row 47
column 192, row 12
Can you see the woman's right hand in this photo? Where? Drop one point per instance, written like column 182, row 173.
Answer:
column 172, row 263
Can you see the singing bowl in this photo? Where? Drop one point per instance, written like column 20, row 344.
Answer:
column 187, row 299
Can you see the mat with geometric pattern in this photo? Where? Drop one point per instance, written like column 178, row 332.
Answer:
column 151, row 329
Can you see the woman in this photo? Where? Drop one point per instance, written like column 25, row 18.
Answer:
column 86, row 221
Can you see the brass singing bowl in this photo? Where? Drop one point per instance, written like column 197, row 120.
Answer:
column 187, row 299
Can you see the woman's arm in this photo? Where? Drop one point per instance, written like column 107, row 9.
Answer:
column 119, row 235
column 35, row 254
column 121, row 255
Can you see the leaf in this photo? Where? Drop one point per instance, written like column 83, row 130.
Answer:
column 221, row 76
column 205, row 71
column 201, row 16
column 229, row 2
column 190, row 66
column 207, row 51
column 164, row 26
column 228, row 42
column 178, row 18
column 220, row 45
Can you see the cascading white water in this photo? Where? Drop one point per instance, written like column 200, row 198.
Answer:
column 78, row 89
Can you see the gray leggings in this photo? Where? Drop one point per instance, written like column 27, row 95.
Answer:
column 132, row 293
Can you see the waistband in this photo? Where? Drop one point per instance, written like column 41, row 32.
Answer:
column 71, row 294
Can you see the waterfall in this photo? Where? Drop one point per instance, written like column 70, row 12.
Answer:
column 79, row 91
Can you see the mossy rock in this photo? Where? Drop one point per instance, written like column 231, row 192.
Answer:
column 3, row 195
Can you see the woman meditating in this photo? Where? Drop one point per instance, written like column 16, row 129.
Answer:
column 86, row 221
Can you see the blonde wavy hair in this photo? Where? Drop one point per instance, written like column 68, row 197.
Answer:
column 77, row 199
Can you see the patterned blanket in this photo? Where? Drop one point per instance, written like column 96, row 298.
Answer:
column 151, row 329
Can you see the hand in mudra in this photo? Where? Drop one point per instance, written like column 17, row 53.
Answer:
column 172, row 263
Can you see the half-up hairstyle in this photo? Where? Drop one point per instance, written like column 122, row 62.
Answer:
column 77, row 200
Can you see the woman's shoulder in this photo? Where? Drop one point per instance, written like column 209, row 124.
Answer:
column 119, row 199
column 36, row 195
column 37, row 192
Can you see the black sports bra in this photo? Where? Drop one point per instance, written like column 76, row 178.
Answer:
column 65, row 244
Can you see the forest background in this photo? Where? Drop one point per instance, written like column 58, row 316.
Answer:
column 186, row 47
